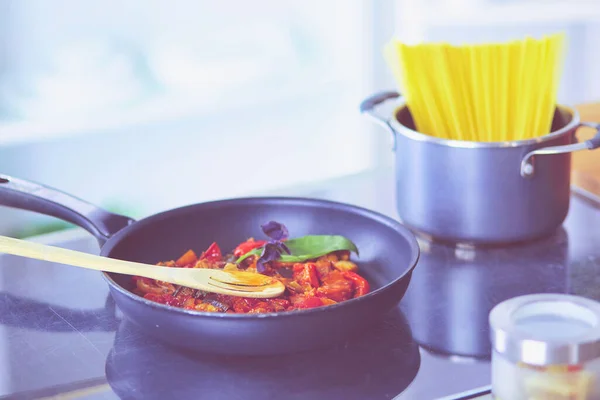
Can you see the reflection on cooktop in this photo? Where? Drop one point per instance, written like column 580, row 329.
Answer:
column 378, row 365
column 453, row 289
column 31, row 314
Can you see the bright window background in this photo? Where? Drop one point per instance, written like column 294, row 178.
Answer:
column 146, row 105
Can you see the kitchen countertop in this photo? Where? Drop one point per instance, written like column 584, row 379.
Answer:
column 60, row 331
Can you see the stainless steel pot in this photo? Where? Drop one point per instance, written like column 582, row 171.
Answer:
column 481, row 192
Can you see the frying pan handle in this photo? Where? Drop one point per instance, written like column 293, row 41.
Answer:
column 31, row 196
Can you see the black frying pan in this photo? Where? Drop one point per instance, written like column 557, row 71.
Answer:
column 388, row 255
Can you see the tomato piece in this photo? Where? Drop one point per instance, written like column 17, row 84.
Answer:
column 243, row 305
column 336, row 287
column 147, row 285
column 213, row 253
column 158, row 298
column 307, row 273
column 188, row 258
column 247, row 246
column 362, row 286
column 260, row 307
column 311, row 271
column 173, row 301
column 298, row 267
column 309, row 302
column 326, row 301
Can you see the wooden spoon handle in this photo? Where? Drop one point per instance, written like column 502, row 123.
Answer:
column 253, row 285
column 44, row 252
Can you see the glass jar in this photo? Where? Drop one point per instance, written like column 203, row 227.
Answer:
column 546, row 347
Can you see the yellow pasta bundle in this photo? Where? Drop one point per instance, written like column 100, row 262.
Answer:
column 481, row 92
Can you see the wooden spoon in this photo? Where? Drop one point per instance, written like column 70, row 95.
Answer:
column 232, row 283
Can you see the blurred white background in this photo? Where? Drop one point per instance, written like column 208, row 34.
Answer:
column 145, row 105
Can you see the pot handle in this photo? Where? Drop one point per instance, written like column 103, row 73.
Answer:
column 369, row 105
column 31, row 196
column 527, row 168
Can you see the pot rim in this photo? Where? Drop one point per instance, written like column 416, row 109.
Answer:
column 422, row 137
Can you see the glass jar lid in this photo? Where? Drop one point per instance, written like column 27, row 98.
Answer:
column 546, row 329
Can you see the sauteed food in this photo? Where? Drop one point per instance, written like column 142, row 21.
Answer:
column 316, row 270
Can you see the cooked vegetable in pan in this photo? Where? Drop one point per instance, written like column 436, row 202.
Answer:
column 316, row 270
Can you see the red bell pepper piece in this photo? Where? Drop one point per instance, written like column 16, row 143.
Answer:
column 307, row 273
column 247, row 246
column 213, row 253
column 158, row 298
column 243, row 305
column 362, row 286
column 310, row 302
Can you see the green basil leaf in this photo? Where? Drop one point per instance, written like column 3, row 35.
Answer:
column 253, row 252
column 313, row 246
column 309, row 247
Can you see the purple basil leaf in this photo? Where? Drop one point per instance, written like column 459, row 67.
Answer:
column 275, row 230
column 260, row 267
column 269, row 253
column 283, row 247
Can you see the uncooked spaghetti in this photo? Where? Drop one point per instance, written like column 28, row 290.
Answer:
column 481, row 92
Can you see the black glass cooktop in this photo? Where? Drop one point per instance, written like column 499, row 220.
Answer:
column 60, row 332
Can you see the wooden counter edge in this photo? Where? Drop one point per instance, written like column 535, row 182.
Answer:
column 585, row 170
